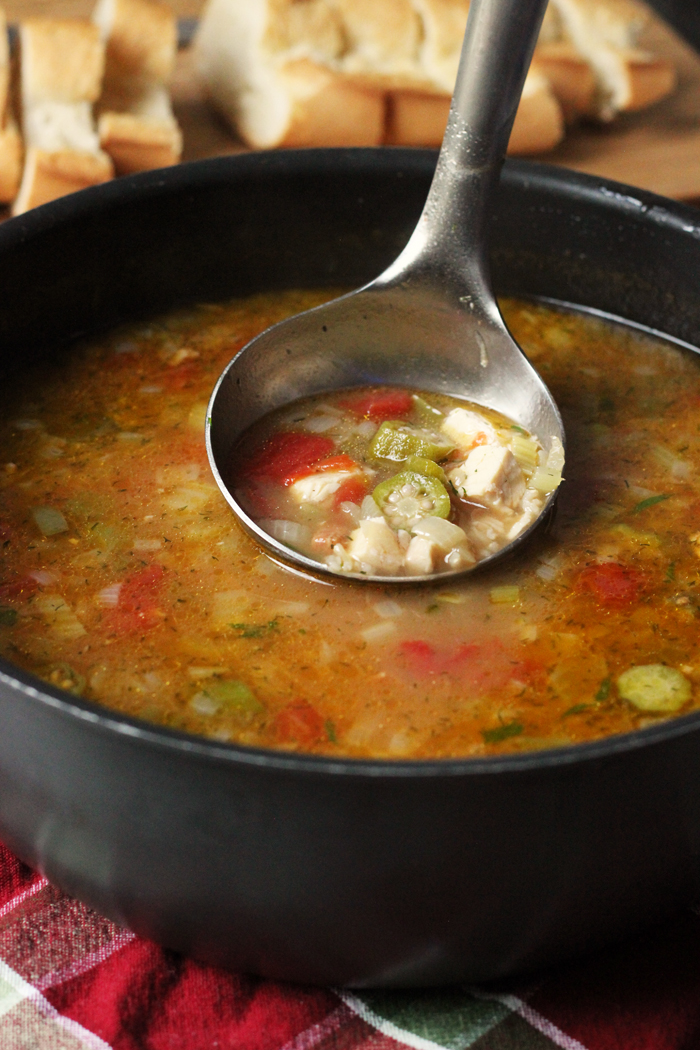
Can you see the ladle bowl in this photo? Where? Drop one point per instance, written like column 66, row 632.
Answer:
column 430, row 321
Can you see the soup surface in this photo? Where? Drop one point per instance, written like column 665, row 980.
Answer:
column 383, row 481
column 125, row 577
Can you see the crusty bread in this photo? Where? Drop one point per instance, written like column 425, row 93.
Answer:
column 136, row 125
column 263, row 63
column 140, row 38
column 48, row 175
column 605, row 34
column 417, row 119
column 10, row 138
column 62, row 148
column 140, row 133
column 62, row 60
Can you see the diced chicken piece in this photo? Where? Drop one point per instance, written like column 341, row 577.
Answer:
column 436, row 541
column 375, row 547
column 316, row 488
column 468, row 428
column 491, row 475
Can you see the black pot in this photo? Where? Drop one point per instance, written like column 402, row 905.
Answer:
column 306, row 868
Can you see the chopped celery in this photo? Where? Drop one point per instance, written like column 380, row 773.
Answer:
column 545, row 479
column 654, row 687
column 235, row 698
column 506, row 595
column 525, row 450
column 50, row 521
column 410, row 496
column 397, row 441
column 425, row 411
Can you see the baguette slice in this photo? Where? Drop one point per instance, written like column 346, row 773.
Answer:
column 140, row 38
column 62, row 148
column 140, row 133
column 417, row 119
column 570, row 77
column 10, row 138
column 605, row 33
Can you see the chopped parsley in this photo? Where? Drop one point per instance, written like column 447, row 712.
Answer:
column 255, row 630
column 502, row 732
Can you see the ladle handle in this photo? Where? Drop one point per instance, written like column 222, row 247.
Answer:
column 449, row 243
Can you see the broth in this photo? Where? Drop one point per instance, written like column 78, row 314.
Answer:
column 125, row 577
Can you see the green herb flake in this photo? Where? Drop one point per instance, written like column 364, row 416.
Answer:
column 650, row 501
column 8, row 617
column 604, row 689
column 671, row 572
column 577, row 709
column 432, row 608
column 255, row 630
column 330, row 731
column 502, row 732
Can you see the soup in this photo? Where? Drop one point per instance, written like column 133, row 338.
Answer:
column 126, row 579
column 383, row 481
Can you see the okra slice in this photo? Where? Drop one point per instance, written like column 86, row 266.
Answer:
column 397, row 441
column 410, row 496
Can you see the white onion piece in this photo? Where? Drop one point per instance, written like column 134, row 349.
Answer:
column 109, row 596
column 289, row 532
column 318, row 424
column 388, row 609
column 42, row 577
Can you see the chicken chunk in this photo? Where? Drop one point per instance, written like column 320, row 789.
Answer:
column 491, row 475
column 375, row 547
column 317, row 488
column 467, row 429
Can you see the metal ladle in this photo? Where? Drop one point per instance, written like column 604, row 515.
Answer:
column 430, row 321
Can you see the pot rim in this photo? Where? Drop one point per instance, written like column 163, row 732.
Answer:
column 624, row 201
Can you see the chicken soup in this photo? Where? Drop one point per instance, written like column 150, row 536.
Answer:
column 126, row 579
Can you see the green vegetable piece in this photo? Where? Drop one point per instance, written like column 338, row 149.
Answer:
column 577, row 709
column 650, row 501
column 427, row 467
column 502, row 732
column 8, row 617
column 426, row 413
column 604, row 690
column 49, row 520
column 236, row 698
column 397, row 441
column 654, row 687
column 255, row 630
column 410, row 496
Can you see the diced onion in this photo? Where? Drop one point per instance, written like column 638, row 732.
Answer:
column 204, row 704
column 318, row 424
column 388, row 609
column 109, row 596
column 545, row 479
column 42, row 577
column 290, row 532
column 49, row 520
column 147, row 545
column 380, row 632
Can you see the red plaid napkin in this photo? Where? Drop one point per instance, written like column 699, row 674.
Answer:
column 71, row 980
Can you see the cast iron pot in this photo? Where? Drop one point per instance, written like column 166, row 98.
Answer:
column 306, row 868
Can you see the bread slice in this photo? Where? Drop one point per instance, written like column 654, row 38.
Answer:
column 136, row 126
column 605, row 33
column 416, row 119
column 10, row 138
column 140, row 38
column 62, row 148
column 569, row 75
column 140, row 133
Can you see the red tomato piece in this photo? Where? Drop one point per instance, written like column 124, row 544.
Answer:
column 140, row 600
column 299, row 722
column 612, row 584
column 353, row 490
column 420, row 657
column 284, row 455
column 324, row 466
column 21, row 587
column 179, row 377
column 380, row 405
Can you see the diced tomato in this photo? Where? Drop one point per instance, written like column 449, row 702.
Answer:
column 420, row 657
column 286, row 454
column 612, row 584
column 21, row 587
column 179, row 377
column 381, row 405
column 324, row 466
column 140, row 601
column 353, row 490
column 299, row 722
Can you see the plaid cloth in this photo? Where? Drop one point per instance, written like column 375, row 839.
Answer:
column 72, row 980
